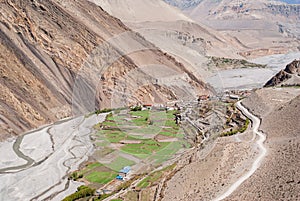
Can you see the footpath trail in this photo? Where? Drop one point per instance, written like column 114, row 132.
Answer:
column 260, row 142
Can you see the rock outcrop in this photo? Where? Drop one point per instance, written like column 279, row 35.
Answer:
column 292, row 69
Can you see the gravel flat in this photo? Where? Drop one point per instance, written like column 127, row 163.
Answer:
column 65, row 145
column 250, row 78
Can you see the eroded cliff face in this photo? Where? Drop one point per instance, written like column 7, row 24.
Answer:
column 57, row 55
column 292, row 70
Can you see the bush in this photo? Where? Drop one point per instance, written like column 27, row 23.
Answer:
column 136, row 108
column 241, row 130
column 74, row 176
column 105, row 110
column 82, row 192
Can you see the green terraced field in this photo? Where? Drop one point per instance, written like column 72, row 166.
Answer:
column 144, row 129
column 119, row 163
column 101, row 177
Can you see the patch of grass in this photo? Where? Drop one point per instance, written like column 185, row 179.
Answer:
column 115, row 136
column 166, row 133
column 144, row 184
column 151, row 129
column 120, row 163
column 102, row 144
column 138, row 150
column 143, row 114
column 171, row 123
column 101, row 177
column 167, row 152
column 110, row 117
column 141, row 121
column 104, row 151
column 151, row 142
column 90, row 167
column 143, row 117
column 145, row 149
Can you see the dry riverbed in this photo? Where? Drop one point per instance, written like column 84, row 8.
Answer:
column 52, row 153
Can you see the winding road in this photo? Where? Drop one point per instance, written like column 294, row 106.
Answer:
column 263, row 151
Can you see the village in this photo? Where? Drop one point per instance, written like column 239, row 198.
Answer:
column 133, row 143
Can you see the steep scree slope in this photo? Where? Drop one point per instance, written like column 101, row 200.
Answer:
column 47, row 47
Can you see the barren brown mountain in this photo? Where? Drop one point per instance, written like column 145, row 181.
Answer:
column 47, row 48
column 261, row 27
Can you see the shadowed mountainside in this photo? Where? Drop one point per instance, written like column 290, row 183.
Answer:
column 292, row 71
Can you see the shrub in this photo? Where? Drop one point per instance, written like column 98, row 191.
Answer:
column 136, row 108
column 82, row 192
column 105, row 110
column 241, row 130
column 74, row 176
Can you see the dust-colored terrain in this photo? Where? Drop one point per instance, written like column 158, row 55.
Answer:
column 189, row 42
column 260, row 27
column 277, row 178
column 215, row 168
column 60, row 58
column 68, row 58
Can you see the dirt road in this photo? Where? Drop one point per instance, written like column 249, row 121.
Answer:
column 260, row 142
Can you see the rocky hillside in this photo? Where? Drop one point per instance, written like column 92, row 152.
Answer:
column 260, row 27
column 292, row 70
column 64, row 58
column 275, row 179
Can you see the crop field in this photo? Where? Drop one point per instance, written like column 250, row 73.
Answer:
column 101, row 177
column 119, row 163
column 127, row 138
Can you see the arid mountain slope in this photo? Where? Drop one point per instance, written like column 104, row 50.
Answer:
column 261, row 27
column 170, row 30
column 60, row 58
column 134, row 10
column 277, row 178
